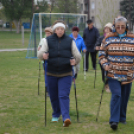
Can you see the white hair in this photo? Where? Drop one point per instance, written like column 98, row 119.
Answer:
column 121, row 19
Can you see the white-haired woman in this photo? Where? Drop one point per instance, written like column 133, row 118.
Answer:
column 117, row 47
column 60, row 48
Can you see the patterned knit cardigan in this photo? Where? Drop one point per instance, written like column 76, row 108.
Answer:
column 119, row 54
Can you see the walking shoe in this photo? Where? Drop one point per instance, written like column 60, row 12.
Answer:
column 114, row 125
column 94, row 68
column 66, row 123
column 55, row 119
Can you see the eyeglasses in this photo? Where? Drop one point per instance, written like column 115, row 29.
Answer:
column 120, row 27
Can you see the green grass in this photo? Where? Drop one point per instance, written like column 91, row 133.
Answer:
column 9, row 39
column 12, row 40
column 22, row 109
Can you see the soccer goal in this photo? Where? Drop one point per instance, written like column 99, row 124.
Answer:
column 42, row 20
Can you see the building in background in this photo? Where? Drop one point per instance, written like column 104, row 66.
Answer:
column 1, row 6
column 100, row 11
column 48, row 1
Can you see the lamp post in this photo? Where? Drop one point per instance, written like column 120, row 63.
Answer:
column 130, row 14
column 88, row 9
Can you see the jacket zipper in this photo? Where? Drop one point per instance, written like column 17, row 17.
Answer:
column 122, row 56
column 58, row 53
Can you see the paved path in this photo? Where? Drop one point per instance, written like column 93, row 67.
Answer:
column 13, row 49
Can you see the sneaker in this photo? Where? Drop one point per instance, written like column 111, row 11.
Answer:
column 66, row 123
column 55, row 119
column 114, row 125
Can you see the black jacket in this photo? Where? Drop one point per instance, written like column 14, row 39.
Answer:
column 90, row 37
column 59, row 54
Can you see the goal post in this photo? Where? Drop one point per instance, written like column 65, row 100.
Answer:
column 42, row 20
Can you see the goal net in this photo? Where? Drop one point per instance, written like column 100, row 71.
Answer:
column 42, row 20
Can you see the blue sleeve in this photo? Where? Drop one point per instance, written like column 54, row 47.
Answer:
column 83, row 45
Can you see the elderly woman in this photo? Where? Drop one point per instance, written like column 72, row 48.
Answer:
column 107, row 29
column 48, row 31
column 116, row 48
column 79, row 43
column 60, row 48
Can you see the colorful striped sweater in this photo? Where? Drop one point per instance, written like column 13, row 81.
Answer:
column 119, row 54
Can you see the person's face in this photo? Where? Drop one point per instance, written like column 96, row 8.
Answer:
column 90, row 26
column 59, row 31
column 120, row 27
column 107, row 30
column 47, row 34
column 75, row 34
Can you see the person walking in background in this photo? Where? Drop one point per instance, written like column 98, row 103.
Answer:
column 107, row 29
column 79, row 43
column 117, row 58
column 48, row 31
column 90, row 36
column 60, row 48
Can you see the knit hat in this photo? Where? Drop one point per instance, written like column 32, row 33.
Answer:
column 109, row 25
column 75, row 29
column 59, row 24
column 48, row 29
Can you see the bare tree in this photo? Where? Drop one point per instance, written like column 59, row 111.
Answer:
column 108, row 13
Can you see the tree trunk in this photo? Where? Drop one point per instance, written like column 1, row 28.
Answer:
column 10, row 25
column 17, row 25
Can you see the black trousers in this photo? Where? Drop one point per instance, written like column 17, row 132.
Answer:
column 93, row 59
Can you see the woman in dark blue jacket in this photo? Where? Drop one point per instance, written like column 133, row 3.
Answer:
column 60, row 48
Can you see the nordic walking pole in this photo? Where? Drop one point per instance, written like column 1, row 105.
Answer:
column 39, row 78
column 45, row 95
column 95, row 79
column 95, row 74
column 45, row 106
column 45, row 98
column 84, row 66
column 75, row 92
column 100, row 100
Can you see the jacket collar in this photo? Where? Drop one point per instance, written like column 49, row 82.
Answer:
column 122, row 35
column 78, row 37
column 55, row 35
column 90, row 29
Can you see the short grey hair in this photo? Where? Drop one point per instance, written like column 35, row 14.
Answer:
column 121, row 19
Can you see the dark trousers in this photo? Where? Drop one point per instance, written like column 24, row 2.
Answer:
column 119, row 100
column 59, row 90
column 93, row 59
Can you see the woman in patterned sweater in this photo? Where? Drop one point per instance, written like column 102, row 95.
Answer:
column 116, row 56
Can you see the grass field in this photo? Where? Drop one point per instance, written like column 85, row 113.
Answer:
column 22, row 109
column 13, row 40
